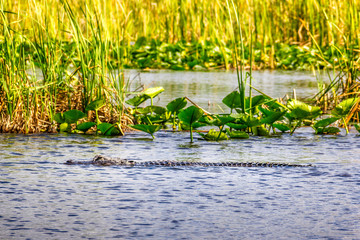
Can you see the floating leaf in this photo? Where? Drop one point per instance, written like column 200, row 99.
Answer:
column 325, row 122
column 237, row 134
column 327, row 130
column 108, row 129
column 85, row 126
column 213, row 135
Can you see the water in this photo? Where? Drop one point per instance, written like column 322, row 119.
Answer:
column 42, row 198
column 208, row 89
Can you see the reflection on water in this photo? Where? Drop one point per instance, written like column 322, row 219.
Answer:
column 44, row 199
column 209, row 88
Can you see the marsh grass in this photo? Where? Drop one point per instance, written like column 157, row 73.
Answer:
column 79, row 47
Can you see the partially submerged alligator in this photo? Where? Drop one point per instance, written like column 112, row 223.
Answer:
column 110, row 161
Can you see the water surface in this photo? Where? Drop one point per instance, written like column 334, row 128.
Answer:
column 42, row 198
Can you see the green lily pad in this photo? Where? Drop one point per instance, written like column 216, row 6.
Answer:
column 213, row 135
column 237, row 134
column 325, row 122
column 282, row 127
column 72, row 116
column 95, row 105
column 151, row 129
column 343, row 109
column 85, row 126
column 175, row 105
column 108, row 129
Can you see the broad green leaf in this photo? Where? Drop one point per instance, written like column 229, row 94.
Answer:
column 325, row 122
column 155, row 109
column 175, row 105
column 261, row 131
column 327, row 130
column 213, row 135
column 300, row 110
column 108, row 129
column 232, row 100
column 282, row 127
column 190, row 115
column 237, row 126
column 95, row 105
column 271, row 116
column 72, row 116
column 151, row 129
column 237, row 134
column 59, row 118
column 153, row 92
column 137, row 100
column 85, row 126
column 343, row 108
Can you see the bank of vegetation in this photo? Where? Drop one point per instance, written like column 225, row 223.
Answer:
column 60, row 55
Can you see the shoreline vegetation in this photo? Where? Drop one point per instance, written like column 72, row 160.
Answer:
column 81, row 47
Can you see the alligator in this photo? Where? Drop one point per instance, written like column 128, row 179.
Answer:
column 110, row 161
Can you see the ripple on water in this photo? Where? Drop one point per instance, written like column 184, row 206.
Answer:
column 46, row 199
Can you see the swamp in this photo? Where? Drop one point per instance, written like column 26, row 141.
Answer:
column 190, row 81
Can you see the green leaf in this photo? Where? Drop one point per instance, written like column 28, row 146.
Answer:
column 153, row 92
column 271, row 116
column 64, row 127
column 137, row 100
column 108, row 129
column 95, row 105
column 237, row 134
column 151, row 129
column 325, row 122
column 213, row 135
column 190, row 115
column 59, row 118
column 72, row 116
column 232, row 100
column 175, row 105
column 237, row 126
column 282, row 127
column 85, row 126
column 343, row 108
column 300, row 110
column 155, row 109
column 327, row 130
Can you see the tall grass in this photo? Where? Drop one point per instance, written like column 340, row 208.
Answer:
column 79, row 45
column 72, row 74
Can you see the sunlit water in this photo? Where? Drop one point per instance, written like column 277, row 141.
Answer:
column 41, row 198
